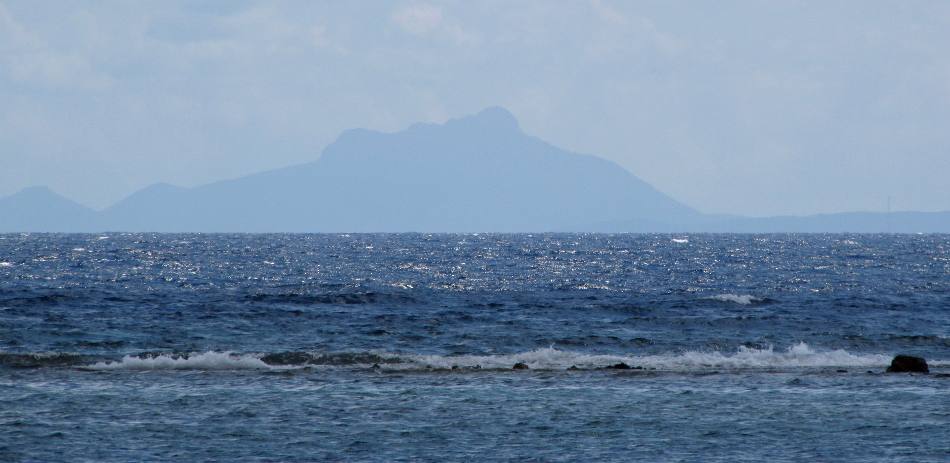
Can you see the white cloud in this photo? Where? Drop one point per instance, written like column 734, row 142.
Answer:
column 25, row 59
column 418, row 19
column 607, row 13
column 423, row 20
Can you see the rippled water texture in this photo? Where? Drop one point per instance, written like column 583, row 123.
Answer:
column 129, row 347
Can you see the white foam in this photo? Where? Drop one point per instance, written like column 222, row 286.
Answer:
column 201, row 361
column 744, row 358
column 743, row 299
column 797, row 356
column 680, row 240
column 6, row 264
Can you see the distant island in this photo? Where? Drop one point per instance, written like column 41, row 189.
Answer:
column 479, row 173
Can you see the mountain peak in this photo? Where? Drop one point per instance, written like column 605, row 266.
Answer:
column 35, row 193
column 493, row 118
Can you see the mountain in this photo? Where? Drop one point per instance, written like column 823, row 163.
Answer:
column 477, row 173
column 39, row 209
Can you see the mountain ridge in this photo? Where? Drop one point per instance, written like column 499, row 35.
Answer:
column 477, row 173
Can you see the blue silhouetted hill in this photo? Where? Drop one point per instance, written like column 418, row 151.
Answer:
column 477, row 173
column 39, row 209
column 474, row 174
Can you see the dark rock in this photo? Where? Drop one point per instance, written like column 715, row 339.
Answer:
column 841, row 371
column 908, row 364
column 520, row 366
column 573, row 367
column 618, row 366
column 287, row 358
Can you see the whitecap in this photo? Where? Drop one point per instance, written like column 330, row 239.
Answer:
column 6, row 264
column 198, row 361
column 798, row 356
column 680, row 240
column 742, row 299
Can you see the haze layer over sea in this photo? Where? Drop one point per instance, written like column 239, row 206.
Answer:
column 132, row 347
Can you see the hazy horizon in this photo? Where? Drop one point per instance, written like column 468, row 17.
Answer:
column 738, row 107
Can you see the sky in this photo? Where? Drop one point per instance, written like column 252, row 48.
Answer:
column 752, row 108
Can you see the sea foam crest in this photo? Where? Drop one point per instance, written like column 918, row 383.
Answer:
column 200, row 361
column 742, row 299
column 798, row 356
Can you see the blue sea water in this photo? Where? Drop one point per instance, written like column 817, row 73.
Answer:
column 400, row 347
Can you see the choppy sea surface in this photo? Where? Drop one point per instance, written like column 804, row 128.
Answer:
column 401, row 347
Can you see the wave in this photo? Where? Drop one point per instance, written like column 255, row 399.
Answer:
column 198, row 361
column 923, row 340
column 742, row 299
column 797, row 356
column 744, row 358
column 40, row 359
column 30, row 300
column 339, row 298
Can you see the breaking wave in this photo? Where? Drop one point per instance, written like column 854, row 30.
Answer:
column 798, row 356
column 40, row 359
column 742, row 299
column 744, row 358
column 200, row 361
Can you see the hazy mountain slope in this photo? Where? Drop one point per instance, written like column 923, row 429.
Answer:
column 479, row 173
column 39, row 209
column 474, row 174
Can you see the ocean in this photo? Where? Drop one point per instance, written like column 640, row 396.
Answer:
column 403, row 347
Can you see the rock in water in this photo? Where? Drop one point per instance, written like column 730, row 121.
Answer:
column 908, row 364
column 520, row 366
column 287, row 358
column 619, row 366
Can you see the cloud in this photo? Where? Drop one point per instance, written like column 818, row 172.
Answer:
column 418, row 19
column 423, row 20
column 606, row 13
column 26, row 59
